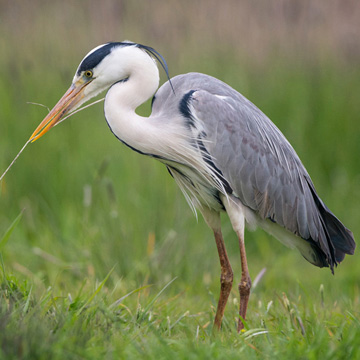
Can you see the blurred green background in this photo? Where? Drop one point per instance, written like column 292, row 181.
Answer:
column 89, row 203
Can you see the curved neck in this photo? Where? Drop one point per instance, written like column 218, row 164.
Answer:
column 124, row 97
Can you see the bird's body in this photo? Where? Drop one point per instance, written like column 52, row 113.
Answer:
column 222, row 151
column 256, row 165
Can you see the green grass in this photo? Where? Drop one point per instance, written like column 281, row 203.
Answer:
column 128, row 272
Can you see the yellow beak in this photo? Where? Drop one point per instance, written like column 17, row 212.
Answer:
column 71, row 98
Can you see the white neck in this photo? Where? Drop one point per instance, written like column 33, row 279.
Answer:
column 124, row 97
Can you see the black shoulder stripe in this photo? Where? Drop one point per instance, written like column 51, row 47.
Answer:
column 184, row 108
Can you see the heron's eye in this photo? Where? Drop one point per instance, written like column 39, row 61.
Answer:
column 88, row 74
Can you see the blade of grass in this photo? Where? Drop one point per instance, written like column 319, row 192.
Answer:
column 254, row 332
column 8, row 232
column 27, row 303
column 97, row 290
column 180, row 318
column 119, row 301
column 3, row 271
column 149, row 306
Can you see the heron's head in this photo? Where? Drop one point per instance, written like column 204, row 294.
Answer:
column 102, row 67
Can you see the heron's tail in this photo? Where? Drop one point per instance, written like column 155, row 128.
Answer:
column 339, row 238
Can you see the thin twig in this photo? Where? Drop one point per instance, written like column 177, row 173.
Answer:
column 8, row 168
column 66, row 117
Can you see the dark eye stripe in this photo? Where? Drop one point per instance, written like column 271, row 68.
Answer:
column 95, row 58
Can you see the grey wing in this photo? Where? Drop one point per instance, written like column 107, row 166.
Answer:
column 265, row 172
column 261, row 167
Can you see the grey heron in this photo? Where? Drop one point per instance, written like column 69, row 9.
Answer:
column 222, row 151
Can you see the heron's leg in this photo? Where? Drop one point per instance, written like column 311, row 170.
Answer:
column 245, row 282
column 212, row 218
column 226, row 278
column 236, row 215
